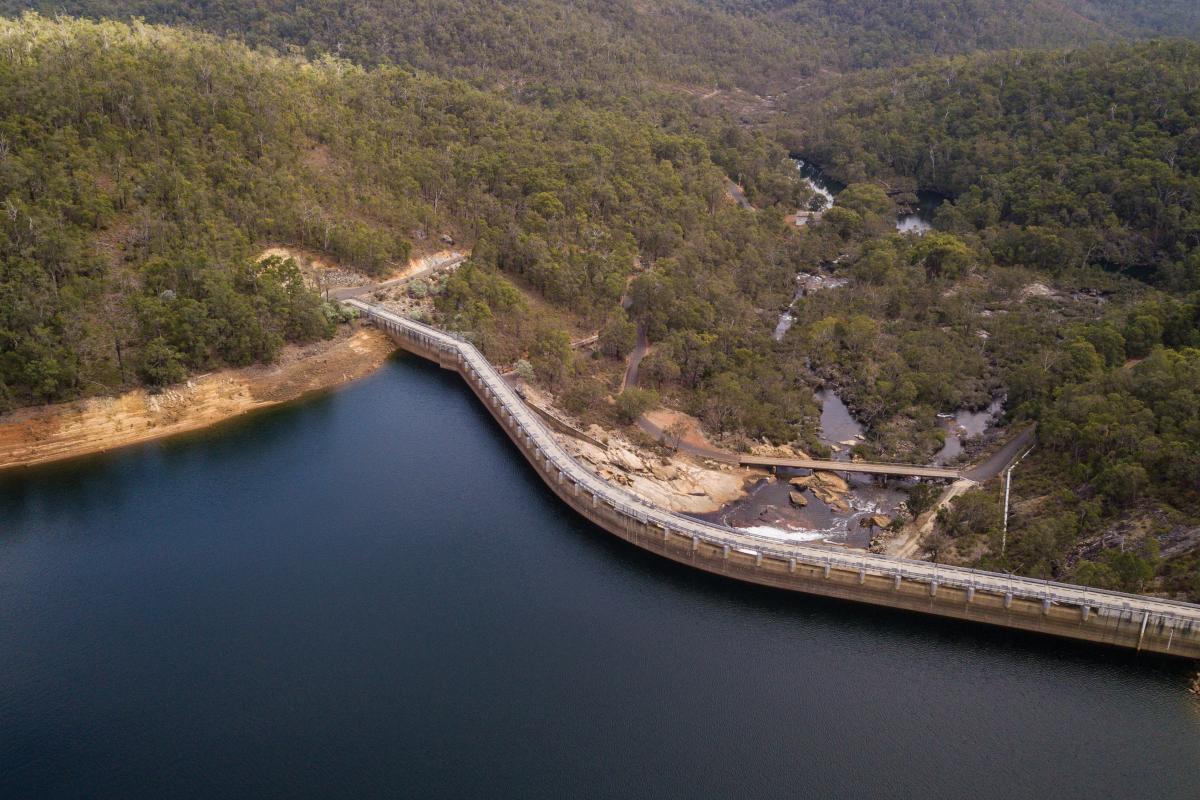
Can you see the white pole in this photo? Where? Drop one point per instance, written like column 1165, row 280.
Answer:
column 1007, row 488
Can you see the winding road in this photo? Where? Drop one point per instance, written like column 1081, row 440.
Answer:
column 434, row 265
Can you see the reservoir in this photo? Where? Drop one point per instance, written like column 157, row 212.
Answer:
column 370, row 594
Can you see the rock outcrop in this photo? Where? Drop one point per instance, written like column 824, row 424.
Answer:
column 832, row 481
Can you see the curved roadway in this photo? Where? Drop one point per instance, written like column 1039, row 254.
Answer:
column 474, row 365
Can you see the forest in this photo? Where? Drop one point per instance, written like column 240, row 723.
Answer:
column 571, row 147
column 621, row 50
column 1082, row 167
column 1058, row 160
column 144, row 166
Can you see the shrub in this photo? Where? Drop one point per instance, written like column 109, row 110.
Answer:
column 634, row 402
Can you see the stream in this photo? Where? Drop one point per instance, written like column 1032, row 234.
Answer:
column 767, row 510
column 917, row 222
column 964, row 425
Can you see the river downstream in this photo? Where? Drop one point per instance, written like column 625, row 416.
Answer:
column 371, row 595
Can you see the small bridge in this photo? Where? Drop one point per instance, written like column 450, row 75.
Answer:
column 865, row 467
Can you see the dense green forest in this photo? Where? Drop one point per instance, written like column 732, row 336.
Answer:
column 1080, row 168
column 1160, row 17
column 599, row 48
column 1089, row 157
column 563, row 48
column 143, row 166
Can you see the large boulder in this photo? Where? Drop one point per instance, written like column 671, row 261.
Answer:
column 627, row 460
column 832, row 481
column 798, row 500
column 831, row 499
column 822, row 494
column 664, row 472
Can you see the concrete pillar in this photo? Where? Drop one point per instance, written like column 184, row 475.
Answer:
column 758, row 559
column 695, row 543
column 666, row 534
column 792, row 565
column 862, row 577
column 1008, row 600
column 826, row 570
column 970, row 593
column 896, row 583
column 1085, row 612
column 933, row 588
column 725, row 552
column 1046, row 605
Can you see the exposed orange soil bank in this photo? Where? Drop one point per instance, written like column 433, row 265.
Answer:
column 48, row 433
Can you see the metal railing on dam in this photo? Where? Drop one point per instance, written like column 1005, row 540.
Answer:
column 1125, row 620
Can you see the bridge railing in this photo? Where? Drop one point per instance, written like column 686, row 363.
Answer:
column 831, row 465
column 1186, row 616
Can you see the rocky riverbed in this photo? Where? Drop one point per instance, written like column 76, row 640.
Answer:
column 678, row 482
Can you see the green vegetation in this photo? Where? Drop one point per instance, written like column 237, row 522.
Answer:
column 557, row 51
column 565, row 49
column 1056, row 160
column 144, row 168
column 1064, row 167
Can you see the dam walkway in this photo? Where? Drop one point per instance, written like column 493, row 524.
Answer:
column 1114, row 618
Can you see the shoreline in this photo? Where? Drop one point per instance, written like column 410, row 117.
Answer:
column 37, row 435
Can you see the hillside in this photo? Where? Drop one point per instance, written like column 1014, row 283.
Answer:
column 1081, row 157
column 143, row 169
column 558, row 49
column 1080, row 169
column 1142, row 17
column 554, row 50
column 144, row 166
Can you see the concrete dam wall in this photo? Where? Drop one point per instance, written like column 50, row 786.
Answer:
column 1113, row 618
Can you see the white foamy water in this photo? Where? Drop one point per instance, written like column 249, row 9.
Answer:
column 816, row 184
column 806, row 282
column 912, row 223
column 784, row 534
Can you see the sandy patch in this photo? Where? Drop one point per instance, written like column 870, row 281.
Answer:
column 322, row 273
column 664, row 418
column 50, row 433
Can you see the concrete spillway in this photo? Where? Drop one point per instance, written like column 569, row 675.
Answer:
column 1132, row 621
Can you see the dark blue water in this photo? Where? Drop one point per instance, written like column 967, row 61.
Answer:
column 369, row 595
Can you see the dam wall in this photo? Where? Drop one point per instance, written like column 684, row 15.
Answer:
column 1112, row 618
